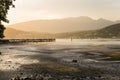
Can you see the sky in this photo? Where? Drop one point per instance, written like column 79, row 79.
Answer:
column 27, row 10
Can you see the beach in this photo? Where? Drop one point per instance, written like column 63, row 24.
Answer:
column 61, row 60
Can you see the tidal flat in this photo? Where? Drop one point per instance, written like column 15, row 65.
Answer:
column 61, row 60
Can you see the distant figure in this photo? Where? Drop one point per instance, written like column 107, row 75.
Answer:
column 71, row 39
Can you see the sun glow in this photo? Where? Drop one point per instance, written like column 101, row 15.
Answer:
column 27, row 10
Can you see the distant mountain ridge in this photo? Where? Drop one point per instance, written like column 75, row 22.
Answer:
column 112, row 31
column 63, row 25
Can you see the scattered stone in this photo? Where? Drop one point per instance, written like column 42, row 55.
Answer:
column 74, row 61
column 42, row 77
column 0, row 53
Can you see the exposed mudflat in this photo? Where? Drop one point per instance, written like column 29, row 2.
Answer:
column 61, row 60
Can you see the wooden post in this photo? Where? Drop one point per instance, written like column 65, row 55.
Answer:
column 0, row 22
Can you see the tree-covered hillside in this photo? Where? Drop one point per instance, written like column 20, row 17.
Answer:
column 112, row 31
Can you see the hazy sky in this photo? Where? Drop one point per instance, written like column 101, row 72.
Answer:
column 50, row 9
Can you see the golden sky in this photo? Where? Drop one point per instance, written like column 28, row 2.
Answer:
column 27, row 10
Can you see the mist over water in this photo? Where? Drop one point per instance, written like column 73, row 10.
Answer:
column 80, row 44
column 89, row 41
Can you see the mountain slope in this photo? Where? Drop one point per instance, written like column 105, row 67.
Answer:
column 18, row 34
column 112, row 31
column 13, row 33
column 63, row 25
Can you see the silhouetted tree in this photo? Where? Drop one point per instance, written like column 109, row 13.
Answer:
column 4, row 7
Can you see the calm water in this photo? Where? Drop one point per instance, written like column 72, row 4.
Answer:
column 89, row 41
column 76, row 44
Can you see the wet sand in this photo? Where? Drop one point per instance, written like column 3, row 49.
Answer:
column 51, row 60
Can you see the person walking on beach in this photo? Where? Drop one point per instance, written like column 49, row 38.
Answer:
column 71, row 39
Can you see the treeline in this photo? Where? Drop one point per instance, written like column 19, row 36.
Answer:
column 112, row 31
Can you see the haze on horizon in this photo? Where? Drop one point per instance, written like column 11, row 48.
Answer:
column 27, row 10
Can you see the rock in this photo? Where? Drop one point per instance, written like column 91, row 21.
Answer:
column 0, row 53
column 75, row 61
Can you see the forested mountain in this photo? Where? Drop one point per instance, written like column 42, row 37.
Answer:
column 11, row 33
column 112, row 31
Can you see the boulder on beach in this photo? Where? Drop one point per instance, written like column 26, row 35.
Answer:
column 0, row 53
column 74, row 61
